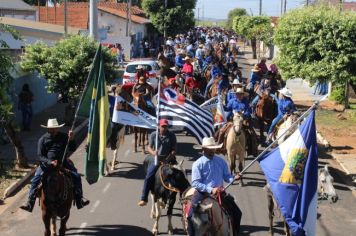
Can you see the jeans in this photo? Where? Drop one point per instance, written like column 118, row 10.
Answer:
column 26, row 110
column 76, row 178
column 149, row 181
column 275, row 121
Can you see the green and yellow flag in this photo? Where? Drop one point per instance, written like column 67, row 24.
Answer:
column 95, row 105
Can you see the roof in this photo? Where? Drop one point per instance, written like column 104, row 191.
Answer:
column 35, row 25
column 15, row 5
column 349, row 6
column 122, row 14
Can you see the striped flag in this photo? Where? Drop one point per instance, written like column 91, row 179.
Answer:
column 95, row 106
column 182, row 112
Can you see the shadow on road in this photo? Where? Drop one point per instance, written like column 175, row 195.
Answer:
column 137, row 171
column 249, row 229
column 187, row 150
column 109, row 230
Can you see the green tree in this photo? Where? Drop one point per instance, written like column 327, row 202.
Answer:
column 178, row 17
column 232, row 14
column 318, row 44
column 254, row 28
column 7, row 118
column 66, row 65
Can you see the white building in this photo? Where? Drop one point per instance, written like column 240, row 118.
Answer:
column 17, row 9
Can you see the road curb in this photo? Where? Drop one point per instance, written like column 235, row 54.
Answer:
column 19, row 184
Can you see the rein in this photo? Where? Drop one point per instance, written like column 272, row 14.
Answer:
column 169, row 187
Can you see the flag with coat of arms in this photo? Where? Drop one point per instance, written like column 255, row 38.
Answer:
column 291, row 170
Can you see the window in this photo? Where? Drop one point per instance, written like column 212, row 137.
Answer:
column 132, row 68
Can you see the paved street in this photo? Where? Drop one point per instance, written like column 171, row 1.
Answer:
column 113, row 209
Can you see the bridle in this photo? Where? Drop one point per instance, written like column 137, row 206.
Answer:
column 168, row 187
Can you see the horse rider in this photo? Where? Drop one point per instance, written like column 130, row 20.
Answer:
column 232, row 92
column 179, row 62
column 50, row 151
column 216, row 78
column 262, row 65
column 238, row 104
column 187, row 69
column 285, row 108
column 166, row 151
column 208, row 175
column 144, row 89
column 141, row 71
column 199, row 54
column 254, row 79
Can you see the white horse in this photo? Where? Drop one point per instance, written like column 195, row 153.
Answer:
column 283, row 127
column 236, row 143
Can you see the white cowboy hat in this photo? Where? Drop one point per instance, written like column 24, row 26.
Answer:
column 240, row 90
column 236, row 82
column 139, row 67
column 210, row 143
column 52, row 123
column 286, row 92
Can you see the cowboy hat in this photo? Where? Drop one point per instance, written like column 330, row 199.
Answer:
column 236, row 82
column 186, row 58
column 239, row 90
column 256, row 68
column 201, row 45
column 52, row 124
column 210, row 143
column 139, row 67
column 286, row 92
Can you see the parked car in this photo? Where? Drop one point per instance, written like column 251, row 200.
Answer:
column 151, row 66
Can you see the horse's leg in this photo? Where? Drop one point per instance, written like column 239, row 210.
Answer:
column 63, row 228
column 242, row 153
column 153, row 209
column 144, row 140
column 286, row 229
column 136, row 137
column 231, row 159
column 54, row 226
column 262, row 127
column 158, row 215
column 172, row 200
column 47, row 223
column 270, row 212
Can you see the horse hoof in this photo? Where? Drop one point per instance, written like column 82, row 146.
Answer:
column 155, row 232
column 170, row 232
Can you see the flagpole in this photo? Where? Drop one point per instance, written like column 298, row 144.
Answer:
column 78, row 106
column 316, row 103
column 157, row 119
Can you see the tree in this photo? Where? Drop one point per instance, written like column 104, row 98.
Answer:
column 318, row 44
column 7, row 118
column 66, row 65
column 254, row 28
column 178, row 17
column 232, row 14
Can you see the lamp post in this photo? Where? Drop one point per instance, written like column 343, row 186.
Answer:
column 93, row 22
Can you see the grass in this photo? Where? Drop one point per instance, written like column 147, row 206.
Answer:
column 329, row 119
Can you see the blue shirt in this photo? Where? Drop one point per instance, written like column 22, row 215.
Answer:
column 215, row 70
column 179, row 61
column 254, row 78
column 285, row 106
column 238, row 106
column 208, row 174
column 231, row 95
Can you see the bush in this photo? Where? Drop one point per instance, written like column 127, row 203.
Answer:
column 338, row 94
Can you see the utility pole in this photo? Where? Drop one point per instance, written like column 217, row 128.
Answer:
column 198, row 16
column 285, row 6
column 281, row 7
column 260, row 7
column 65, row 17
column 93, row 21
column 128, row 16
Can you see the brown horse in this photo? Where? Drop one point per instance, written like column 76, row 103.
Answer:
column 140, row 133
column 56, row 200
column 266, row 111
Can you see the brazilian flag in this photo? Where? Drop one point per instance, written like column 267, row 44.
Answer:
column 94, row 104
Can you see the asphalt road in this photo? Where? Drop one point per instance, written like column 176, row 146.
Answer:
column 113, row 210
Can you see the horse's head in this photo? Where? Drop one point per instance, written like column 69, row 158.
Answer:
column 237, row 122
column 200, row 218
column 175, row 176
column 326, row 188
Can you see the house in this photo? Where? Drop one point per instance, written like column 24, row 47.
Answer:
column 113, row 21
column 17, row 9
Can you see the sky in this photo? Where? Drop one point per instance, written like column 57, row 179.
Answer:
column 219, row 8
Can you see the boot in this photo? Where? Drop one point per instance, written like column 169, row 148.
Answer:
column 29, row 205
column 81, row 202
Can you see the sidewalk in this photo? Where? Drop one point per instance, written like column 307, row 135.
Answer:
column 303, row 94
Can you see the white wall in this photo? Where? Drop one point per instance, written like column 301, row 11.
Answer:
column 16, row 44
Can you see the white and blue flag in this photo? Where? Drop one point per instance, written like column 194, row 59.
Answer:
column 291, row 170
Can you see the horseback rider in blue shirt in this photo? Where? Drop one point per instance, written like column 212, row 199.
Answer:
column 285, row 108
column 179, row 62
column 232, row 92
column 239, row 104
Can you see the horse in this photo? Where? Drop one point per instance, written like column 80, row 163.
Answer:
column 117, row 137
column 140, row 133
column 283, row 126
column 163, row 61
column 56, row 200
column 208, row 217
column 236, row 143
column 266, row 111
column 169, row 180
column 326, row 189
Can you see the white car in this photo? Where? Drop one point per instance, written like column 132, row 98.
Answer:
column 152, row 67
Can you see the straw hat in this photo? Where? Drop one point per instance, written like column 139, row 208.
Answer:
column 240, row 90
column 236, row 82
column 210, row 143
column 286, row 92
column 186, row 58
column 52, row 124
column 256, row 68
